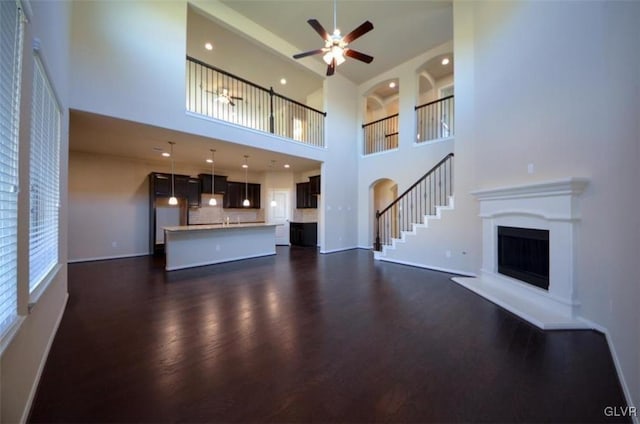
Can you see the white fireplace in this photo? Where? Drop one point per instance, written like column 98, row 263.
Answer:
column 552, row 206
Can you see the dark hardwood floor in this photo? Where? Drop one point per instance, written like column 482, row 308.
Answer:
column 301, row 337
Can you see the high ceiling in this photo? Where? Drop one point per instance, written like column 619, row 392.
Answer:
column 402, row 30
column 254, row 63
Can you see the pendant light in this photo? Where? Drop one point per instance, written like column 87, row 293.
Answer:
column 273, row 193
column 246, row 203
column 212, row 201
column 172, row 200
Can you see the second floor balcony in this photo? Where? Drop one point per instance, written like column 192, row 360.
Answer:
column 217, row 94
column 434, row 121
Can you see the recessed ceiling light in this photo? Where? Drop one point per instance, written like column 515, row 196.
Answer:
column 244, row 165
column 166, row 154
column 392, row 84
column 286, row 165
column 209, row 160
column 283, row 81
column 445, row 61
column 208, row 46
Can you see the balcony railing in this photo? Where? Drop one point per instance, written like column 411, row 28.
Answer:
column 218, row 94
column 381, row 135
column 435, row 120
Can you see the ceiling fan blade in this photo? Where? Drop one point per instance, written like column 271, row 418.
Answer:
column 319, row 28
column 309, row 53
column 236, row 98
column 331, row 68
column 231, row 102
column 357, row 55
column 358, row 32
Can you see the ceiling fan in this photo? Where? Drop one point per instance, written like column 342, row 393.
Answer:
column 224, row 97
column 335, row 46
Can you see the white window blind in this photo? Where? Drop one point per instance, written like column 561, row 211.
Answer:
column 10, row 69
column 44, row 178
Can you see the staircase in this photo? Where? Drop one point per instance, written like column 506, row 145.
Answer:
column 402, row 224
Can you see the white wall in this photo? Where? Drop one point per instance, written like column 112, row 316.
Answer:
column 555, row 85
column 24, row 358
column 338, row 204
column 408, row 163
column 109, row 204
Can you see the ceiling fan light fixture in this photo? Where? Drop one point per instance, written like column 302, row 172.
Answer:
column 336, row 52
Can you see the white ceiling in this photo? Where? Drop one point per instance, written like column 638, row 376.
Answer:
column 110, row 136
column 402, row 30
column 246, row 59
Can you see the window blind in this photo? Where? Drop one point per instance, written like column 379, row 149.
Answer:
column 44, row 178
column 10, row 69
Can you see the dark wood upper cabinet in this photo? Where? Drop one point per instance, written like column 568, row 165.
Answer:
column 314, row 185
column 193, row 192
column 237, row 192
column 160, row 184
column 184, row 187
column 220, row 183
column 304, row 199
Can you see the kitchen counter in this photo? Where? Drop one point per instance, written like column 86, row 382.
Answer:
column 189, row 246
column 206, row 227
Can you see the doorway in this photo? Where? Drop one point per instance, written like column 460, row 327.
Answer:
column 280, row 214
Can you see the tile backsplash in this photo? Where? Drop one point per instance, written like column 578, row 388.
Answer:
column 305, row 215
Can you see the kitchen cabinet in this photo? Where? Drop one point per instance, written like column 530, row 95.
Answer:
column 185, row 187
column 304, row 199
column 303, row 234
column 160, row 184
column 236, row 193
column 220, row 184
column 233, row 196
column 194, row 189
column 188, row 188
column 314, row 185
column 254, row 195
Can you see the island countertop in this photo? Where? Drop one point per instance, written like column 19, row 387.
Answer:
column 197, row 245
column 206, row 227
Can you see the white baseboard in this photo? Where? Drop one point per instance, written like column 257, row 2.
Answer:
column 342, row 249
column 365, row 247
column 104, row 258
column 616, row 363
column 43, row 361
column 434, row 268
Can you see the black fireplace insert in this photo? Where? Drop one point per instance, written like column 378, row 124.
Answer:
column 523, row 253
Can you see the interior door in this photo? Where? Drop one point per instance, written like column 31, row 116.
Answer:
column 280, row 215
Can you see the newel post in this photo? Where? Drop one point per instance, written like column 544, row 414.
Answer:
column 377, row 245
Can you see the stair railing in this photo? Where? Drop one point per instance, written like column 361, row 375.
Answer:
column 433, row 189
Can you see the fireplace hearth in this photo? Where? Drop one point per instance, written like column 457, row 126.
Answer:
column 529, row 235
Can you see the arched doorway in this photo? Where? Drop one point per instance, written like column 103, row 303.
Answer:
column 383, row 192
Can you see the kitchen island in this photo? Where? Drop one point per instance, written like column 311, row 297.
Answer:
column 197, row 245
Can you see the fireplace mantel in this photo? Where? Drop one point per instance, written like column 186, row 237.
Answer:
column 553, row 206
